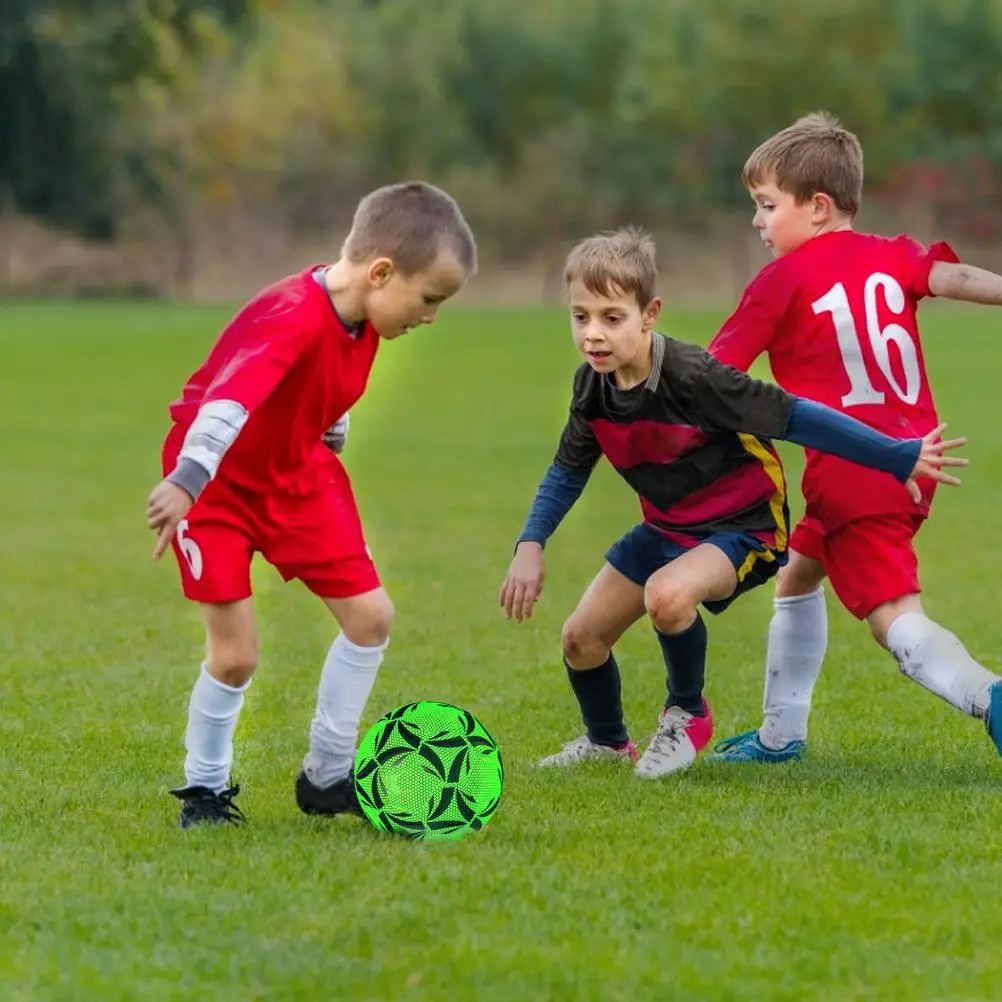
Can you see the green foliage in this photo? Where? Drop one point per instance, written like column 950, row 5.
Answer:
column 951, row 89
column 63, row 69
column 572, row 114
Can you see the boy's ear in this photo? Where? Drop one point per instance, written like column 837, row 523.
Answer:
column 651, row 313
column 822, row 208
column 381, row 271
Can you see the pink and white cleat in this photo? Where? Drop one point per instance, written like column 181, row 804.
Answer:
column 680, row 737
column 583, row 748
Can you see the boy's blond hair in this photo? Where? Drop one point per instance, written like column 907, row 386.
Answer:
column 621, row 261
column 410, row 223
column 815, row 154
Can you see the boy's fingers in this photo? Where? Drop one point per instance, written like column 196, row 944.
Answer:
column 514, row 604
column 166, row 534
column 529, row 598
column 951, row 443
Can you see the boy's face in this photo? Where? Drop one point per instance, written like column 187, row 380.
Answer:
column 610, row 331
column 782, row 222
column 396, row 302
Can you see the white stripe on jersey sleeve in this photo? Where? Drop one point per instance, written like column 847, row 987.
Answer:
column 213, row 431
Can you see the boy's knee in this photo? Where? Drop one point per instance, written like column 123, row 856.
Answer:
column 232, row 662
column 231, row 642
column 366, row 620
column 884, row 615
column 670, row 606
column 582, row 647
column 801, row 576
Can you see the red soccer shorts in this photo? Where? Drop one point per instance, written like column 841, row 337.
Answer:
column 316, row 538
column 869, row 561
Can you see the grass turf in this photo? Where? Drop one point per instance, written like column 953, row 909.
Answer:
column 866, row 872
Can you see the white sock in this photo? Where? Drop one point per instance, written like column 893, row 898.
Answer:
column 939, row 662
column 212, row 719
column 347, row 679
column 798, row 638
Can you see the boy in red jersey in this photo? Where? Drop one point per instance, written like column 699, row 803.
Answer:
column 250, row 466
column 836, row 314
column 692, row 438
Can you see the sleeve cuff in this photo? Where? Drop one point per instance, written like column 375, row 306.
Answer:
column 939, row 251
column 190, row 476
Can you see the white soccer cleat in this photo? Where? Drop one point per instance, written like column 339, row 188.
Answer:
column 680, row 737
column 583, row 748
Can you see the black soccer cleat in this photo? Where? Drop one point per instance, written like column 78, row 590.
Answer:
column 338, row 798
column 201, row 806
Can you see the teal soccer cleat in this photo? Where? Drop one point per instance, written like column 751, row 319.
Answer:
column 993, row 718
column 748, row 747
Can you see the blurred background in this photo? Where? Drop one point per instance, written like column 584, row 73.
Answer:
column 196, row 149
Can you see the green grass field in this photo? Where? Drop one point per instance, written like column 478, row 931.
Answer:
column 869, row 871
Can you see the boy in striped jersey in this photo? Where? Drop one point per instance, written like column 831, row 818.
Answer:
column 692, row 437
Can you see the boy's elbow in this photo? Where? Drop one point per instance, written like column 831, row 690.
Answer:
column 966, row 283
column 945, row 279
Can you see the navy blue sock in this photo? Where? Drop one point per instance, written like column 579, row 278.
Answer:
column 685, row 659
column 599, row 693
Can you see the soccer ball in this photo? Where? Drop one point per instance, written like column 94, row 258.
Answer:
column 429, row 771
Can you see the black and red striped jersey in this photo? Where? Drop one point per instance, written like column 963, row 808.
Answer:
column 693, row 441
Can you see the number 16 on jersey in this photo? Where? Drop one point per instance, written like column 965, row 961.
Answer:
column 861, row 388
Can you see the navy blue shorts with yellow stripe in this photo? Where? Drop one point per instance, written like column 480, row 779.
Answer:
column 643, row 550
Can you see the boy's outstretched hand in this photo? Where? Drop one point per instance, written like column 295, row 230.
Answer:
column 933, row 458
column 167, row 505
column 524, row 583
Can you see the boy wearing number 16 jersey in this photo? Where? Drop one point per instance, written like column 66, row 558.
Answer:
column 836, row 315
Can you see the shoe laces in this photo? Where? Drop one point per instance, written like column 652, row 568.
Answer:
column 214, row 805
column 671, row 730
column 580, row 747
column 228, row 809
column 572, row 751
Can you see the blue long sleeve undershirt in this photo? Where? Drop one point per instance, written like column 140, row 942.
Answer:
column 812, row 425
column 555, row 496
column 817, row 426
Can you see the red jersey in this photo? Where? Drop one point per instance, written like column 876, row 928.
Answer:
column 837, row 318
column 288, row 359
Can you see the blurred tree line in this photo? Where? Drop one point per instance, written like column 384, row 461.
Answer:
column 544, row 119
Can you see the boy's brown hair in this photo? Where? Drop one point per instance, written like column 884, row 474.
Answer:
column 620, row 261
column 815, row 154
column 411, row 223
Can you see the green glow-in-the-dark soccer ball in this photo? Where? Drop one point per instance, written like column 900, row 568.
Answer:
column 429, row 770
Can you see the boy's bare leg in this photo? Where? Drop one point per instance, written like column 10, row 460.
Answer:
column 673, row 595
column 611, row 604
column 213, row 710
column 230, row 661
